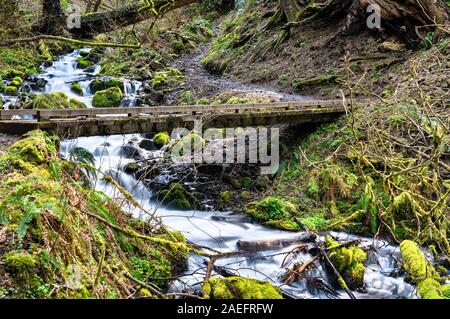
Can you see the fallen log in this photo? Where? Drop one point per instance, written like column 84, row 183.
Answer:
column 100, row 22
column 259, row 245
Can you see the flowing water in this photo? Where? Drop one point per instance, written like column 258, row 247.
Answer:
column 218, row 230
column 59, row 76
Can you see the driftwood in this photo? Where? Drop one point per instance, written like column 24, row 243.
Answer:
column 294, row 273
column 259, row 245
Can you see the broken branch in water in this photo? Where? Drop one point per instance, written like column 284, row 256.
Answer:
column 259, row 245
column 294, row 273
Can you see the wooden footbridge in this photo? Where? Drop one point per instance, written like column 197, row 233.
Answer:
column 109, row 121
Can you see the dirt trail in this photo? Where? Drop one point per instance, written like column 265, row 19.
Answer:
column 6, row 141
column 205, row 84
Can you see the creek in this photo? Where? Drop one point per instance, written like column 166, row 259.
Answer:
column 217, row 230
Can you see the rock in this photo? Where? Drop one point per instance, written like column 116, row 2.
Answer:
column 131, row 168
column 177, row 196
column 161, row 139
column 148, row 145
column 56, row 100
column 76, row 87
column 390, row 46
column 106, row 83
column 107, row 98
column 130, row 151
column 17, row 81
column 11, row 90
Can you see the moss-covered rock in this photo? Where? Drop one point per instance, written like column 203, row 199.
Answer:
column 349, row 261
column 240, row 288
column 246, row 182
column 76, row 87
column 161, row 139
column 430, row 289
column 17, row 81
column 107, row 98
column 193, row 141
column 177, row 196
column 56, row 100
column 415, row 263
column 11, row 90
column 103, row 84
column 270, row 208
column 226, row 197
column 19, row 262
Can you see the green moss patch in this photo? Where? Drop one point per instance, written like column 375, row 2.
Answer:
column 240, row 288
column 107, row 98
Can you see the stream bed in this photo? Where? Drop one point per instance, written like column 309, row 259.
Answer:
column 217, row 230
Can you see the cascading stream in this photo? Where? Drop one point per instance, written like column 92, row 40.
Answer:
column 218, row 230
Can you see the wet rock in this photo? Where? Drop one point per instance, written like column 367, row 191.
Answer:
column 211, row 169
column 131, row 168
column 148, row 145
column 130, row 151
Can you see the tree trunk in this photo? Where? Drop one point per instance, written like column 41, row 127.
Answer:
column 107, row 21
column 52, row 17
column 401, row 15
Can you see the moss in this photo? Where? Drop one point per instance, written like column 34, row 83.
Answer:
column 240, row 288
column 41, row 212
column 103, row 84
column 286, row 224
column 56, row 100
column 153, row 266
column 187, row 98
column 77, row 104
column 17, row 81
column 161, row 139
column 415, row 263
column 107, row 98
column 349, row 262
column 177, row 196
column 246, row 182
column 35, row 148
column 11, row 90
column 226, row 197
column 76, row 87
column 245, row 195
column 19, row 262
column 191, row 141
column 314, row 221
column 270, row 208
column 44, row 51
column 167, row 78
column 430, row 289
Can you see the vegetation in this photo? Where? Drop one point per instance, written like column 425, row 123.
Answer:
column 66, row 240
column 107, row 98
column 56, row 100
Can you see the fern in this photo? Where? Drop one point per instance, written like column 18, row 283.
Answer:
column 31, row 211
column 81, row 155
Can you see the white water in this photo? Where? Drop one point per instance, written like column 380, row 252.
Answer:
column 217, row 230
column 63, row 72
column 221, row 231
